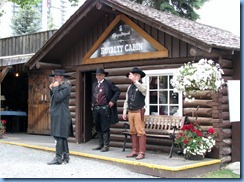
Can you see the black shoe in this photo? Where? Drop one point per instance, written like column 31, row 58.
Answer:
column 66, row 159
column 105, row 149
column 55, row 161
column 97, row 148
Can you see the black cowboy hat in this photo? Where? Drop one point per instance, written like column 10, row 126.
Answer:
column 101, row 71
column 138, row 71
column 59, row 73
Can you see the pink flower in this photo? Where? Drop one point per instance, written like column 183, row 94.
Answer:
column 4, row 121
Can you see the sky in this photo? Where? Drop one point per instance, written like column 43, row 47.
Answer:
column 224, row 14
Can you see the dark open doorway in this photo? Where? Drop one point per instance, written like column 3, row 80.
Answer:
column 14, row 88
column 86, row 119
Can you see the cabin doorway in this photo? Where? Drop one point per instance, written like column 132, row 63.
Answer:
column 85, row 118
column 14, row 101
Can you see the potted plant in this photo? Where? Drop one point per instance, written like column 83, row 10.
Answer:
column 203, row 75
column 192, row 77
column 2, row 127
column 195, row 141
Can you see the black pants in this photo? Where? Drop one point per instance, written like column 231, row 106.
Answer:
column 102, row 124
column 102, row 118
column 62, row 147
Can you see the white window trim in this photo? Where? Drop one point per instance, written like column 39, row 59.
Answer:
column 160, row 72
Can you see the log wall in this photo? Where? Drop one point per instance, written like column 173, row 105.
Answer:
column 72, row 79
column 212, row 112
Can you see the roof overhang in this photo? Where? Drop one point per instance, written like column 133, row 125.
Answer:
column 90, row 13
column 15, row 59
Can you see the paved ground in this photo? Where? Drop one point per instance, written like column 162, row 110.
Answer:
column 22, row 162
column 157, row 164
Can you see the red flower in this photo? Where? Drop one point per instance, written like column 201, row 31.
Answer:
column 4, row 121
column 187, row 127
column 184, row 127
column 211, row 130
column 199, row 133
column 185, row 141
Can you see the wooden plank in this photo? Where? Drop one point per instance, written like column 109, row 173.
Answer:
column 140, row 56
column 101, row 38
column 4, row 73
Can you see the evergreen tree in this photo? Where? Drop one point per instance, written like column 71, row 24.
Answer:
column 25, row 22
column 182, row 8
column 28, row 3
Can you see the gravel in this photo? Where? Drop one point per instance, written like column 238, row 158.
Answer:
column 21, row 162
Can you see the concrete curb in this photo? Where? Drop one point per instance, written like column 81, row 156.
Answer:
column 122, row 161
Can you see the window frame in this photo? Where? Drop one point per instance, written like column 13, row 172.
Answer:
column 160, row 72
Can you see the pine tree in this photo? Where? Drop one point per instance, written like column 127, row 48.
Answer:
column 182, row 8
column 25, row 22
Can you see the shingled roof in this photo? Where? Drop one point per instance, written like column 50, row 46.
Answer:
column 188, row 29
column 199, row 35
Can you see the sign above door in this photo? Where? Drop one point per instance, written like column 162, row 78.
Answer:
column 124, row 40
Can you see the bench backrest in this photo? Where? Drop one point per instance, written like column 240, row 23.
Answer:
column 163, row 122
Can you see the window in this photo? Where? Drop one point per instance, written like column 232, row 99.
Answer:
column 160, row 99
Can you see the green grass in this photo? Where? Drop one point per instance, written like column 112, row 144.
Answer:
column 222, row 173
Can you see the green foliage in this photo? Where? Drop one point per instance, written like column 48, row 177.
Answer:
column 26, row 21
column 26, row 3
column 29, row 3
column 194, row 140
column 74, row 2
column 180, row 8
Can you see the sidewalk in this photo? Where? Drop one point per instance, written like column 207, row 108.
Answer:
column 156, row 164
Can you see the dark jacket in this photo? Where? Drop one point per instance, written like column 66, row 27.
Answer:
column 112, row 93
column 61, row 124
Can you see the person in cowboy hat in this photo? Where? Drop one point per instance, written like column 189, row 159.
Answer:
column 104, row 97
column 61, row 124
column 134, row 105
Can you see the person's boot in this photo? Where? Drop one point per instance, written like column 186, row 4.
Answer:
column 135, row 146
column 100, row 141
column 66, row 151
column 142, row 147
column 106, row 137
column 59, row 150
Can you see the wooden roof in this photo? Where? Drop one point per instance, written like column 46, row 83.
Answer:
column 179, row 27
column 202, row 36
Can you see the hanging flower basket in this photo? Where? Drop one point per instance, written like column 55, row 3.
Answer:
column 191, row 77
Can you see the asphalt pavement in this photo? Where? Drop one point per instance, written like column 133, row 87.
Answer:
column 21, row 162
column 154, row 164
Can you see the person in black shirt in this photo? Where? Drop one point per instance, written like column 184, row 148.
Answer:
column 105, row 95
column 134, row 104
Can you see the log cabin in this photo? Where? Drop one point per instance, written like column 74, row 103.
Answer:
column 117, row 36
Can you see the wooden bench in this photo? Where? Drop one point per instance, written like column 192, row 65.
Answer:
column 161, row 126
